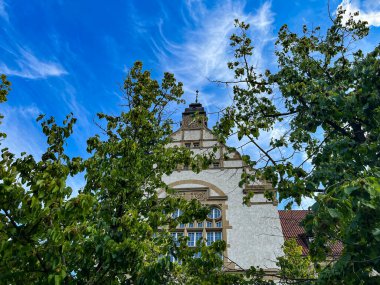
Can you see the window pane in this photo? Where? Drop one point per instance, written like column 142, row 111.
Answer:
column 198, row 236
column 200, row 225
column 191, row 225
column 197, row 255
column 209, row 224
column 215, row 213
column 191, row 241
column 177, row 213
column 219, row 224
column 176, row 236
column 172, row 258
column 213, row 236
column 209, row 238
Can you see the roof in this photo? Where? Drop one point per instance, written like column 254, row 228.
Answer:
column 194, row 108
column 291, row 228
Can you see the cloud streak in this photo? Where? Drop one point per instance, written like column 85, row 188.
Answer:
column 30, row 67
column 23, row 132
column 205, row 50
column 3, row 12
column 369, row 10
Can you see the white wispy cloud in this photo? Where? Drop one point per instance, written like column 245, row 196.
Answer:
column 23, row 132
column 3, row 11
column 27, row 65
column 369, row 10
column 205, row 50
column 18, row 59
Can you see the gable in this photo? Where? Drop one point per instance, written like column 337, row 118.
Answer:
column 202, row 140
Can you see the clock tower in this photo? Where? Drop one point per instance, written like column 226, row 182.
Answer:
column 194, row 117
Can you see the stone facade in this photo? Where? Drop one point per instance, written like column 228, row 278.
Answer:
column 253, row 233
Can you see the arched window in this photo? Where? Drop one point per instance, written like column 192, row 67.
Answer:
column 215, row 213
column 213, row 228
column 210, row 230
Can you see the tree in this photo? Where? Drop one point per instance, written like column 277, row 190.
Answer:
column 325, row 94
column 115, row 230
column 349, row 213
column 4, row 90
column 295, row 267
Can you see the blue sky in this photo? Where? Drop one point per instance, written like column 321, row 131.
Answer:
column 71, row 56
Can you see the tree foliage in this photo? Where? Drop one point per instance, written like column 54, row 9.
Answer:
column 4, row 90
column 350, row 214
column 116, row 229
column 324, row 96
column 294, row 266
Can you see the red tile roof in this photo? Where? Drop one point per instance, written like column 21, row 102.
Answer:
column 290, row 223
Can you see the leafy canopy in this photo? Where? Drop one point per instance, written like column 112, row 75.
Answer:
column 116, row 229
column 294, row 265
column 324, row 97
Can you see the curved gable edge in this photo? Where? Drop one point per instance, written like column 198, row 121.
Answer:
column 197, row 185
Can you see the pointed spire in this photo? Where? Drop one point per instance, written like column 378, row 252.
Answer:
column 196, row 96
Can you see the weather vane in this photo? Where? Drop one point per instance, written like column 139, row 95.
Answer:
column 196, row 96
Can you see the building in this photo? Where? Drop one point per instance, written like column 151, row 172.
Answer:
column 252, row 233
column 292, row 229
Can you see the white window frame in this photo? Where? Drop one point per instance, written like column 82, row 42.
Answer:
column 213, row 236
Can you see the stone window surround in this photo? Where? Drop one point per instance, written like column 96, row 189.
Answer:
column 185, row 229
column 206, row 199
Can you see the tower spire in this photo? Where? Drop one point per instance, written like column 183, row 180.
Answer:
column 194, row 116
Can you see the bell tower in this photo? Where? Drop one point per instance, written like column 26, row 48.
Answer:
column 194, row 116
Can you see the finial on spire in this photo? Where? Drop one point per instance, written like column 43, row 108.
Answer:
column 196, row 96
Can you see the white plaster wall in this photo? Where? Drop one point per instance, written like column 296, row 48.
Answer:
column 258, row 197
column 177, row 136
column 256, row 237
column 207, row 135
column 188, row 185
column 192, row 135
column 203, row 151
column 175, row 144
column 209, row 143
column 233, row 163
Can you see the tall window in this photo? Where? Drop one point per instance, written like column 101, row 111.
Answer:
column 193, row 238
column 209, row 230
column 213, row 236
column 176, row 213
column 176, row 236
